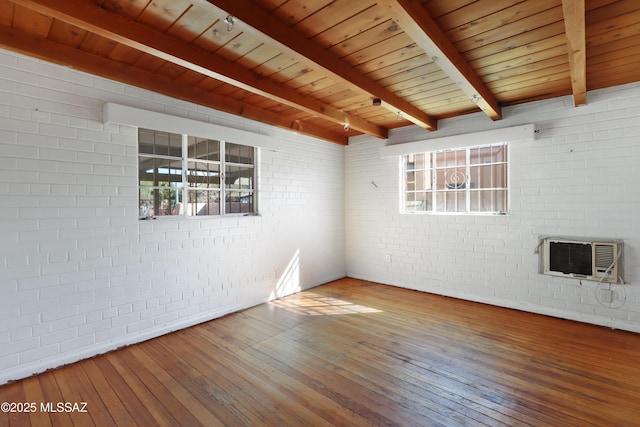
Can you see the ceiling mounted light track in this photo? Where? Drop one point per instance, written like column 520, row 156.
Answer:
column 230, row 20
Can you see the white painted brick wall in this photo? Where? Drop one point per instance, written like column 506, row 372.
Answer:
column 580, row 177
column 80, row 274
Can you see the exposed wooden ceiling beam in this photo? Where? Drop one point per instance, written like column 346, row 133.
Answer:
column 90, row 17
column 574, row 24
column 260, row 23
column 418, row 24
column 29, row 44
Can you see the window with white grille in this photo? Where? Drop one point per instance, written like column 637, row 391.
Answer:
column 461, row 180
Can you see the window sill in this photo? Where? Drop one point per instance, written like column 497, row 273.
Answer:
column 457, row 213
column 197, row 217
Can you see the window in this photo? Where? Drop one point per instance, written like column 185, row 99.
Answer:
column 461, row 180
column 193, row 176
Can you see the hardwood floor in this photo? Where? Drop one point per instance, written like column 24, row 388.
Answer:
column 352, row 353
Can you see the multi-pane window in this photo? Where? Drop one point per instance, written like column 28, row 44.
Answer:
column 192, row 176
column 463, row 180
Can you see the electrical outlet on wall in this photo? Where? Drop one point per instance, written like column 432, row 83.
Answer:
column 606, row 295
column 387, row 258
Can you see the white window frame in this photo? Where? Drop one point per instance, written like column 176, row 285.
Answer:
column 443, row 185
column 139, row 118
column 396, row 148
column 184, row 186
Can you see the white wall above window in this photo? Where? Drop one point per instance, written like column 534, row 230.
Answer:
column 122, row 114
column 510, row 134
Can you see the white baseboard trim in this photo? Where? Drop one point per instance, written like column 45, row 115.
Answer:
column 42, row 365
column 530, row 308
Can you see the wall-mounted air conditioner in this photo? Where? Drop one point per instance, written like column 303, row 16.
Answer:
column 582, row 259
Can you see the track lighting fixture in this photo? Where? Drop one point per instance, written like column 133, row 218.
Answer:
column 230, row 21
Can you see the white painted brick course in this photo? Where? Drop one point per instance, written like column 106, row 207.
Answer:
column 98, row 277
column 77, row 344
column 578, row 178
column 58, row 337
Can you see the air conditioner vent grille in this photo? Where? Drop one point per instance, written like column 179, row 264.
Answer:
column 604, row 256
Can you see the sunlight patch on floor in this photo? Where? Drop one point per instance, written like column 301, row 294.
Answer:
column 313, row 304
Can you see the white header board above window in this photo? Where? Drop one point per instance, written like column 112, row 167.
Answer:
column 510, row 134
column 122, row 114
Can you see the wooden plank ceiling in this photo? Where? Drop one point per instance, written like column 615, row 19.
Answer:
column 320, row 67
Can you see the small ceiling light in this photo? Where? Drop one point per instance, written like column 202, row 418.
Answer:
column 377, row 102
column 475, row 99
column 346, row 127
column 399, row 116
column 230, row 21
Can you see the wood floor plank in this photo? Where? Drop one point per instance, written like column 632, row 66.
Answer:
column 354, row 353
column 143, row 395
column 223, row 385
column 332, row 345
column 275, row 390
column 75, row 387
column 176, row 388
column 4, row 397
column 208, row 392
column 16, row 416
column 546, row 385
column 51, row 393
column 363, row 390
column 155, row 386
column 116, row 408
column 348, row 350
column 398, row 379
column 412, row 356
column 293, row 388
column 257, row 384
column 33, row 394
